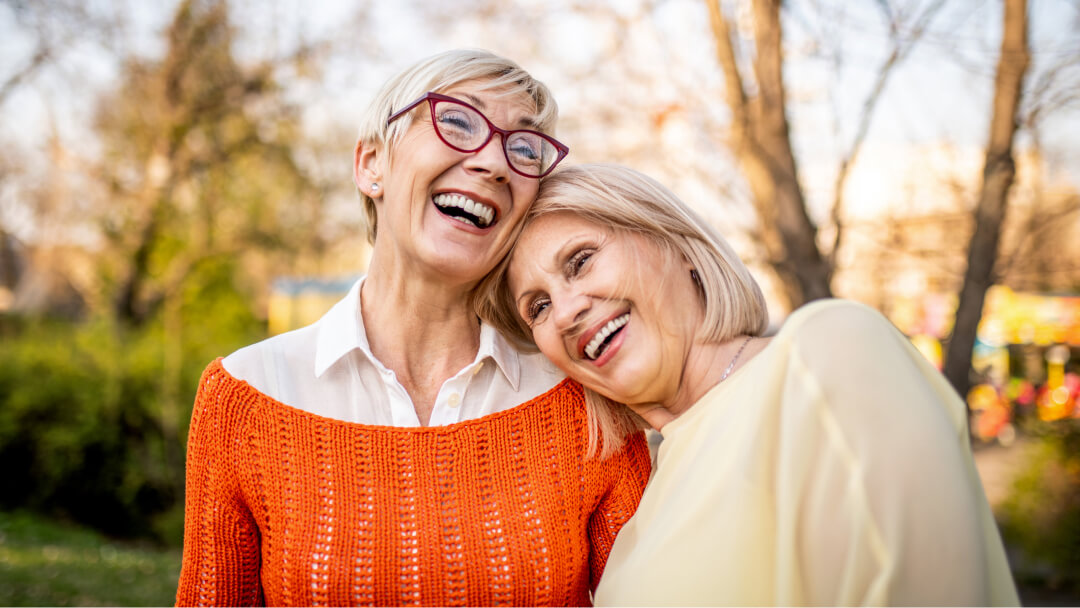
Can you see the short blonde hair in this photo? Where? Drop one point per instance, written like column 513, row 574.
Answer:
column 436, row 74
column 622, row 199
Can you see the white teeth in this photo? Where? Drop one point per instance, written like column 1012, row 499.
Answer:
column 592, row 349
column 483, row 213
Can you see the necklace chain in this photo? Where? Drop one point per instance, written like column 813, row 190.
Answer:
column 731, row 365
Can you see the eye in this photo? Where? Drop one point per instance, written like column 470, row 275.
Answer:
column 536, row 307
column 456, row 120
column 525, row 148
column 577, row 262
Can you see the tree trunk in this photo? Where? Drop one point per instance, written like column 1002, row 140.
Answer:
column 998, row 174
column 761, row 142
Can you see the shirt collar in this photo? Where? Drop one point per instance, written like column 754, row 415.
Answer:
column 494, row 345
column 341, row 330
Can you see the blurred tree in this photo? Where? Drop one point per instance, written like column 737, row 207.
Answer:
column 49, row 31
column 54, row 26
column 198, row 159
column 761, row 141
column 999, row 172
column 760, row 137
column 190, row 198
column 1039, row 251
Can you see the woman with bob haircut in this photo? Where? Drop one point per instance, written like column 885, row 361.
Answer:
column 828, row 464
column 399, row 451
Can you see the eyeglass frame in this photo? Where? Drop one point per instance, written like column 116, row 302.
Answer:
column 431, row 98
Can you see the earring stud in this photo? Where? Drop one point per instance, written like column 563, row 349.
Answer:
column 374, row 187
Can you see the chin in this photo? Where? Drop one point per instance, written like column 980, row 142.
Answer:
column 633, row 390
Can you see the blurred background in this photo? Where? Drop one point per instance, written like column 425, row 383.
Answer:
column 175, row 183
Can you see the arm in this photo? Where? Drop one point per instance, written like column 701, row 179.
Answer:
column 629, row 468
column 221, row 539
column 890, row 509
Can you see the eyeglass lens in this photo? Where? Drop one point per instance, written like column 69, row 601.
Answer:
column 467, row 130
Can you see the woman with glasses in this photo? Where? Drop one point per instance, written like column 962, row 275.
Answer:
column 399, row 451
column 826, row 465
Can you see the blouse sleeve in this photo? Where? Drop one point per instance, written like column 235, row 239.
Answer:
column 630, row 469
column 878, row 473
column 221, row 540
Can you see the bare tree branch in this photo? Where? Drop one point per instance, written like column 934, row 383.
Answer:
column 8, row 86
column 1036, row 227
column 761, row 142
column 901, row 47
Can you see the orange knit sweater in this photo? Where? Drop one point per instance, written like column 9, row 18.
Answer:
column 285, row 507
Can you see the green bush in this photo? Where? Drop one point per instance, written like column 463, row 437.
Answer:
column 94, row 415
column 1041, row 516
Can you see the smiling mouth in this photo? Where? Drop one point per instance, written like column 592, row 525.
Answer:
column 465, row 210
column 603, row 338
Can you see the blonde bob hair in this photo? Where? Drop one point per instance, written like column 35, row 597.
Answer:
column 436, row 74
column 624, row 200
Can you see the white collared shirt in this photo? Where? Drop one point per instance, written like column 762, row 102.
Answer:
column 328, row 369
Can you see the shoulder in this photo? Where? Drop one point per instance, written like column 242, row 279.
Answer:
column 222, row 403
column 840, row 343
column 265, row 363
column 260, row 363
column 834, row 313
column 853, row 357
column 564, row 400
column 828, row 326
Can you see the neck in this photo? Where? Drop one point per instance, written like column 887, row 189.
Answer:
column 422, row 329
column 409, row 318
column 705, row 368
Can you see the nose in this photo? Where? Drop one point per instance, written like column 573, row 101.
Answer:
column 490, row 160
column 568, row 309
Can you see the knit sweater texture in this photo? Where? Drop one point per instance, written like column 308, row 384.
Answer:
column 285, row 507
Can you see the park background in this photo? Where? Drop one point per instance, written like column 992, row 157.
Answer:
column 175, row 182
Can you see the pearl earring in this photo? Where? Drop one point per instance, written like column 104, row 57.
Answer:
column 374, row 187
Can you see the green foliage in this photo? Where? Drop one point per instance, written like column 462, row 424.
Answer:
column 48, row 564
column 198, row 155
column 93, row 415
column 1041, row 516
column 203, row 202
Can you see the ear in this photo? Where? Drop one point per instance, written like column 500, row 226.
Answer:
column 367, row 168
column 686, row 263
column 691, row 269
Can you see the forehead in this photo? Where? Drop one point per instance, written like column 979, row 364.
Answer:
column 507, row 104
column 543, row 238
column 552, row 229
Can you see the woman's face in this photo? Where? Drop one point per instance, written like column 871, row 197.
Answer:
column 610, row 308
column 437, row 202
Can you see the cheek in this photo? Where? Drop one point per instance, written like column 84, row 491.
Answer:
column 549, row 344
column 524, row 190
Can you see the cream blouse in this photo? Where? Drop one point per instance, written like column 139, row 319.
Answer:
column 833, row 468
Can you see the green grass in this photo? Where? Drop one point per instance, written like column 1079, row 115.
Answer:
column 43, row 563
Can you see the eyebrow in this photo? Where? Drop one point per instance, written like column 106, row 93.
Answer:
column 524, row 297
column 528, row 122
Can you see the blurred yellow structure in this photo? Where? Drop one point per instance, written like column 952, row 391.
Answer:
column 1026, row 353
column 296, row 302
column 1019, row 318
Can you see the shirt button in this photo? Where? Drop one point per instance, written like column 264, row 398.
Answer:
column 454, row 400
